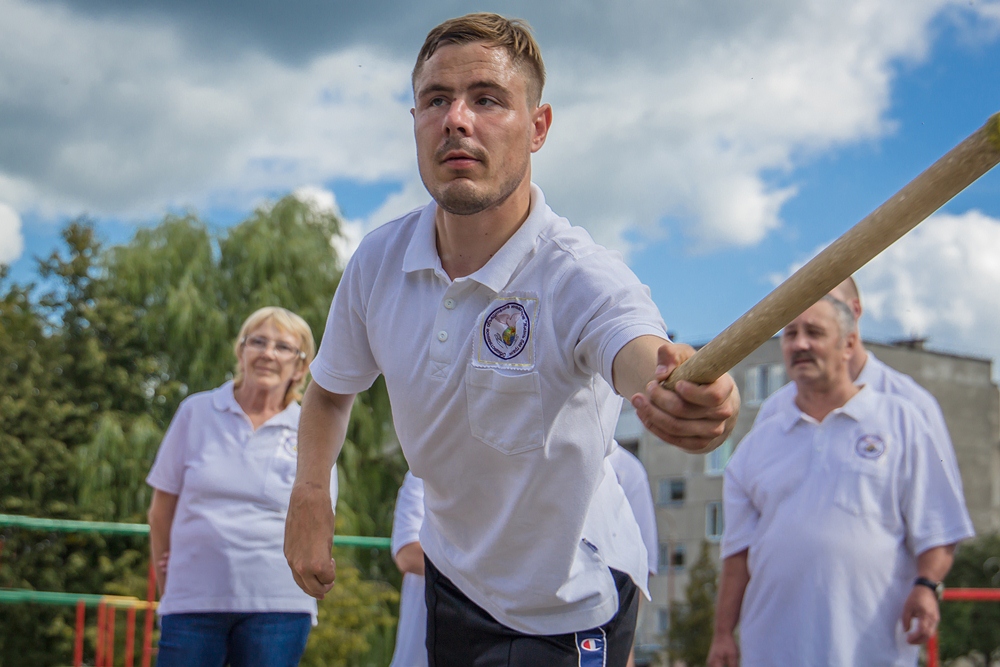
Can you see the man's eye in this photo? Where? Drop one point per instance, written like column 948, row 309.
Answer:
column 436, row 102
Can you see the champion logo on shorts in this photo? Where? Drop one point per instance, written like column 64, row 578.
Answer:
column 591, row 647
column 870, row 446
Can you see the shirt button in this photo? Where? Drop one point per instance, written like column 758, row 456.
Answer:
column 449, row 304
column 442, row 336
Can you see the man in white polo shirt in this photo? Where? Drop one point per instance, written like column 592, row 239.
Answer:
column 506, row 338
column 841, row 521
column 866, row 370
column 408, row 516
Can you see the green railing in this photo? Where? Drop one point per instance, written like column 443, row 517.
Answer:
column 107, row 527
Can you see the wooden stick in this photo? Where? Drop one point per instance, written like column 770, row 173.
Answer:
column 926, row 193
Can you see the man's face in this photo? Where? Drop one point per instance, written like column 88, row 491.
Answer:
column 813, row 348
column 474, row 128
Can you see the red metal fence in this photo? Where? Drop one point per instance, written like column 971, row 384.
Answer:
column 960, row 595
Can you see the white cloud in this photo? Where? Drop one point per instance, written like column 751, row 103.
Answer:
column 11, row 240
column 351, row 231
column 668, row 115
column 941, row 281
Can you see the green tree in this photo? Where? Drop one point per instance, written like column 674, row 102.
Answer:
column 93, row 369
column 972, row 626
column 691, row 623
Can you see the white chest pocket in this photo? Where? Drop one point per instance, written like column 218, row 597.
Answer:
column 505, row 411
column 864, row 489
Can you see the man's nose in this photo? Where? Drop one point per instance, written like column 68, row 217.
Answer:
column 459, row 118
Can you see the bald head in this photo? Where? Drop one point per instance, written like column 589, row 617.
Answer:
column 847, row 292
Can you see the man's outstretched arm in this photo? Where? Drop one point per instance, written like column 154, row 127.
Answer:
column 310, row 522
column 732, row 586
column 696, row 418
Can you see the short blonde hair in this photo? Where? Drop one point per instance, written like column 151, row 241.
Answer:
column 512, row 35
column 287, row 322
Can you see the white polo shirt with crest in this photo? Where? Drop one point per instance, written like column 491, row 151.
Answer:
column 834, row 515
column 233, row 484
column 500, row 384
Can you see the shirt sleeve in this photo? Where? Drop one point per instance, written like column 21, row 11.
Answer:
column 344, row 363
column 408, row 516
column 605, row 307
column 167, row 473
column 932, row 503
column 741, row 515
column 635, row 482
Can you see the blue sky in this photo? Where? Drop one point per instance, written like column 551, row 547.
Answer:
column 717, row 145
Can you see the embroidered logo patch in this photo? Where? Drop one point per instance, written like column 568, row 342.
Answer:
column 505, row 333
column 870, row 446
column 290, row 445
column 591, row 647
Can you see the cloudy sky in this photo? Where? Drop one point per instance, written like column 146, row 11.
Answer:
column 716, row 143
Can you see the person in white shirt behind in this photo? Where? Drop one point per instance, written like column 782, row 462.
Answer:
column 865, row 369
column 841, row 520
column 411, row 632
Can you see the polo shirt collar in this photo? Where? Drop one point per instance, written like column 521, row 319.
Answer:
column 857, row 408
column 224, row 400
column 421, row 253
column 870, row 372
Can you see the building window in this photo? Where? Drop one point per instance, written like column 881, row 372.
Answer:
column 663, row 620
column 761, row 381
column 716, row 460
column 714, row 521
column 672, row 491
column 664, row 559
column 677, row 558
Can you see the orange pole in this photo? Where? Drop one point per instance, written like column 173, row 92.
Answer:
column 147, row 636
column 972, row 594
column 102, row 612
column 81, row 614
column 109, row 635
column 130, row 637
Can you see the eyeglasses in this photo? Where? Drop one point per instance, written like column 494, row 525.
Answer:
column 282, row 350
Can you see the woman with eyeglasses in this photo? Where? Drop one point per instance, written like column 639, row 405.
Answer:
column 222, row 479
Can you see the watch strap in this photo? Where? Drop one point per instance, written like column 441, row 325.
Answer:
column 936, row 586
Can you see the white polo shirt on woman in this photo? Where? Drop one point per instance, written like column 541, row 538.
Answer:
column 501, row 395
column 233, row 485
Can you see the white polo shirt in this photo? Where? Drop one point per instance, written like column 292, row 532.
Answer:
column 887, row 380
column 635, row 483
column 411, row 632
column 233, row 485
column 501, row 395
column 834, row 515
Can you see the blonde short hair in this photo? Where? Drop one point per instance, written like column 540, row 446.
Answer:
column 512, row 35
column 288, row 322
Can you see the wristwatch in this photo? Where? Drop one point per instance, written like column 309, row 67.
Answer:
column 936, row 586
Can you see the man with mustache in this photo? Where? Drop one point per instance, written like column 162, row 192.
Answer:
column 865, row 369
column 841, row 520
column 507, row 338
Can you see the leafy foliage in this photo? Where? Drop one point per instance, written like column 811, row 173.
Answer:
column 691, row 624
column 93, row 366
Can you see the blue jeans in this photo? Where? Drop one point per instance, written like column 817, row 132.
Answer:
column 266, row 639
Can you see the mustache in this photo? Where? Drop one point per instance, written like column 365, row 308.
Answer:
column 459, row 144
column 803, row 356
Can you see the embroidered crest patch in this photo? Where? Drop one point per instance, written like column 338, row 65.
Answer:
column 870, row 446
column 591, row 647
column 290, row 445
column 505, row 333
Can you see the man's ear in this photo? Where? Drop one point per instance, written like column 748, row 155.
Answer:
column 541, row 122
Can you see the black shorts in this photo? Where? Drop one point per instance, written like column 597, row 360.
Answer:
column 460, row 633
